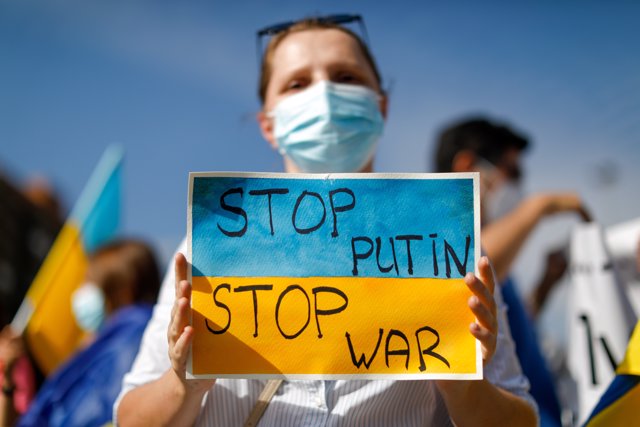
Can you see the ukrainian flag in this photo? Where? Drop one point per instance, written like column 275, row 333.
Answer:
column 51, row 330
column 619, row 404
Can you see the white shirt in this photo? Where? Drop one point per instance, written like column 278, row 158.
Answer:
column 319, row 403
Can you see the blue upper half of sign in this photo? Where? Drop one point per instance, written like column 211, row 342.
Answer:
column 299, row 227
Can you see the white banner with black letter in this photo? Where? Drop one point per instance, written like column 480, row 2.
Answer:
column 601, row 316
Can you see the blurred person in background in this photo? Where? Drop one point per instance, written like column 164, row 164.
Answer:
column 40, row 192
column 113, row 307
column 495, row 150
column 30, row 218
column 638, row 257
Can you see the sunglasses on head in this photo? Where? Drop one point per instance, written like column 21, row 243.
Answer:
column 339, row 19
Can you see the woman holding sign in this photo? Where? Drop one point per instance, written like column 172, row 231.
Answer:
column 324, row 110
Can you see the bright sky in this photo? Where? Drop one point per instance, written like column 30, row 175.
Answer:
column 175, row 84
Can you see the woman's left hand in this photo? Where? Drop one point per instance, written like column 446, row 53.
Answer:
column 481, row 402
column 483, row 306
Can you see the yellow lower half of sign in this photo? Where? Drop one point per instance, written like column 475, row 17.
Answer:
column 331, row 326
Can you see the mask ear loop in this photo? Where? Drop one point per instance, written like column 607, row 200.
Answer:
column 486, row 164
column 272, row 116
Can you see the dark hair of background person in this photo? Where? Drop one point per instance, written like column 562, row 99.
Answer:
column 304, row 25
column 485, row 139
column 127, row 271
column 30, row 219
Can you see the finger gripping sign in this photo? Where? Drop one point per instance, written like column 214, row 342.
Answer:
column 336, row 276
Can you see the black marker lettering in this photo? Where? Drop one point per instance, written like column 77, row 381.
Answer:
column 234, row 209
column 254, row 289
column 295, row 212
column 408, row 238
column 403, row 352
column 327, row 312
column 362, row 359
column 433, row 253
column 221, row 305
column 592, row 358
column 269, row 192
column 393, row 252
column 462, row 267
column 356, row 255
column 286, row 291
column 429, row 351
column 342, row 208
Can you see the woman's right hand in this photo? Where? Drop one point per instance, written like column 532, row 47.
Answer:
column 180, row 332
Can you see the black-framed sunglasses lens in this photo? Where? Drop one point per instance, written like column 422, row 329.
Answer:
column 329, row 19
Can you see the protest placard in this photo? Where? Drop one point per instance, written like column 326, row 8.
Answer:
column 332, row 276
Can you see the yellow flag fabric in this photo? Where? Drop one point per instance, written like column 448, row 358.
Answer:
column 51, row 331
column 52, row 334
column 631, row 363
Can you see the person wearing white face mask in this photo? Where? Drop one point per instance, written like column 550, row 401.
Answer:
column 508, row 216
column 502, row 192
column 88, row 307
column 323, row 109
column 113, row 307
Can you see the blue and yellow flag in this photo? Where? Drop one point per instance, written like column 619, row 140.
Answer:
column 619, row 404
column 51, row 330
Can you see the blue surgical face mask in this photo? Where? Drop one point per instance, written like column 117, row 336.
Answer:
column 329, row 127
column 88, row 306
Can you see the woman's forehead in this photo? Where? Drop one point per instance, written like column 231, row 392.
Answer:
column 317, row 47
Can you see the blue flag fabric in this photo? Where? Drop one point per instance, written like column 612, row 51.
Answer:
column 82, row 392
column 51, row 329
column 530, row 356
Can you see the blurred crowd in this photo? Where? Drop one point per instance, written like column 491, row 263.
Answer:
column 114, row 303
